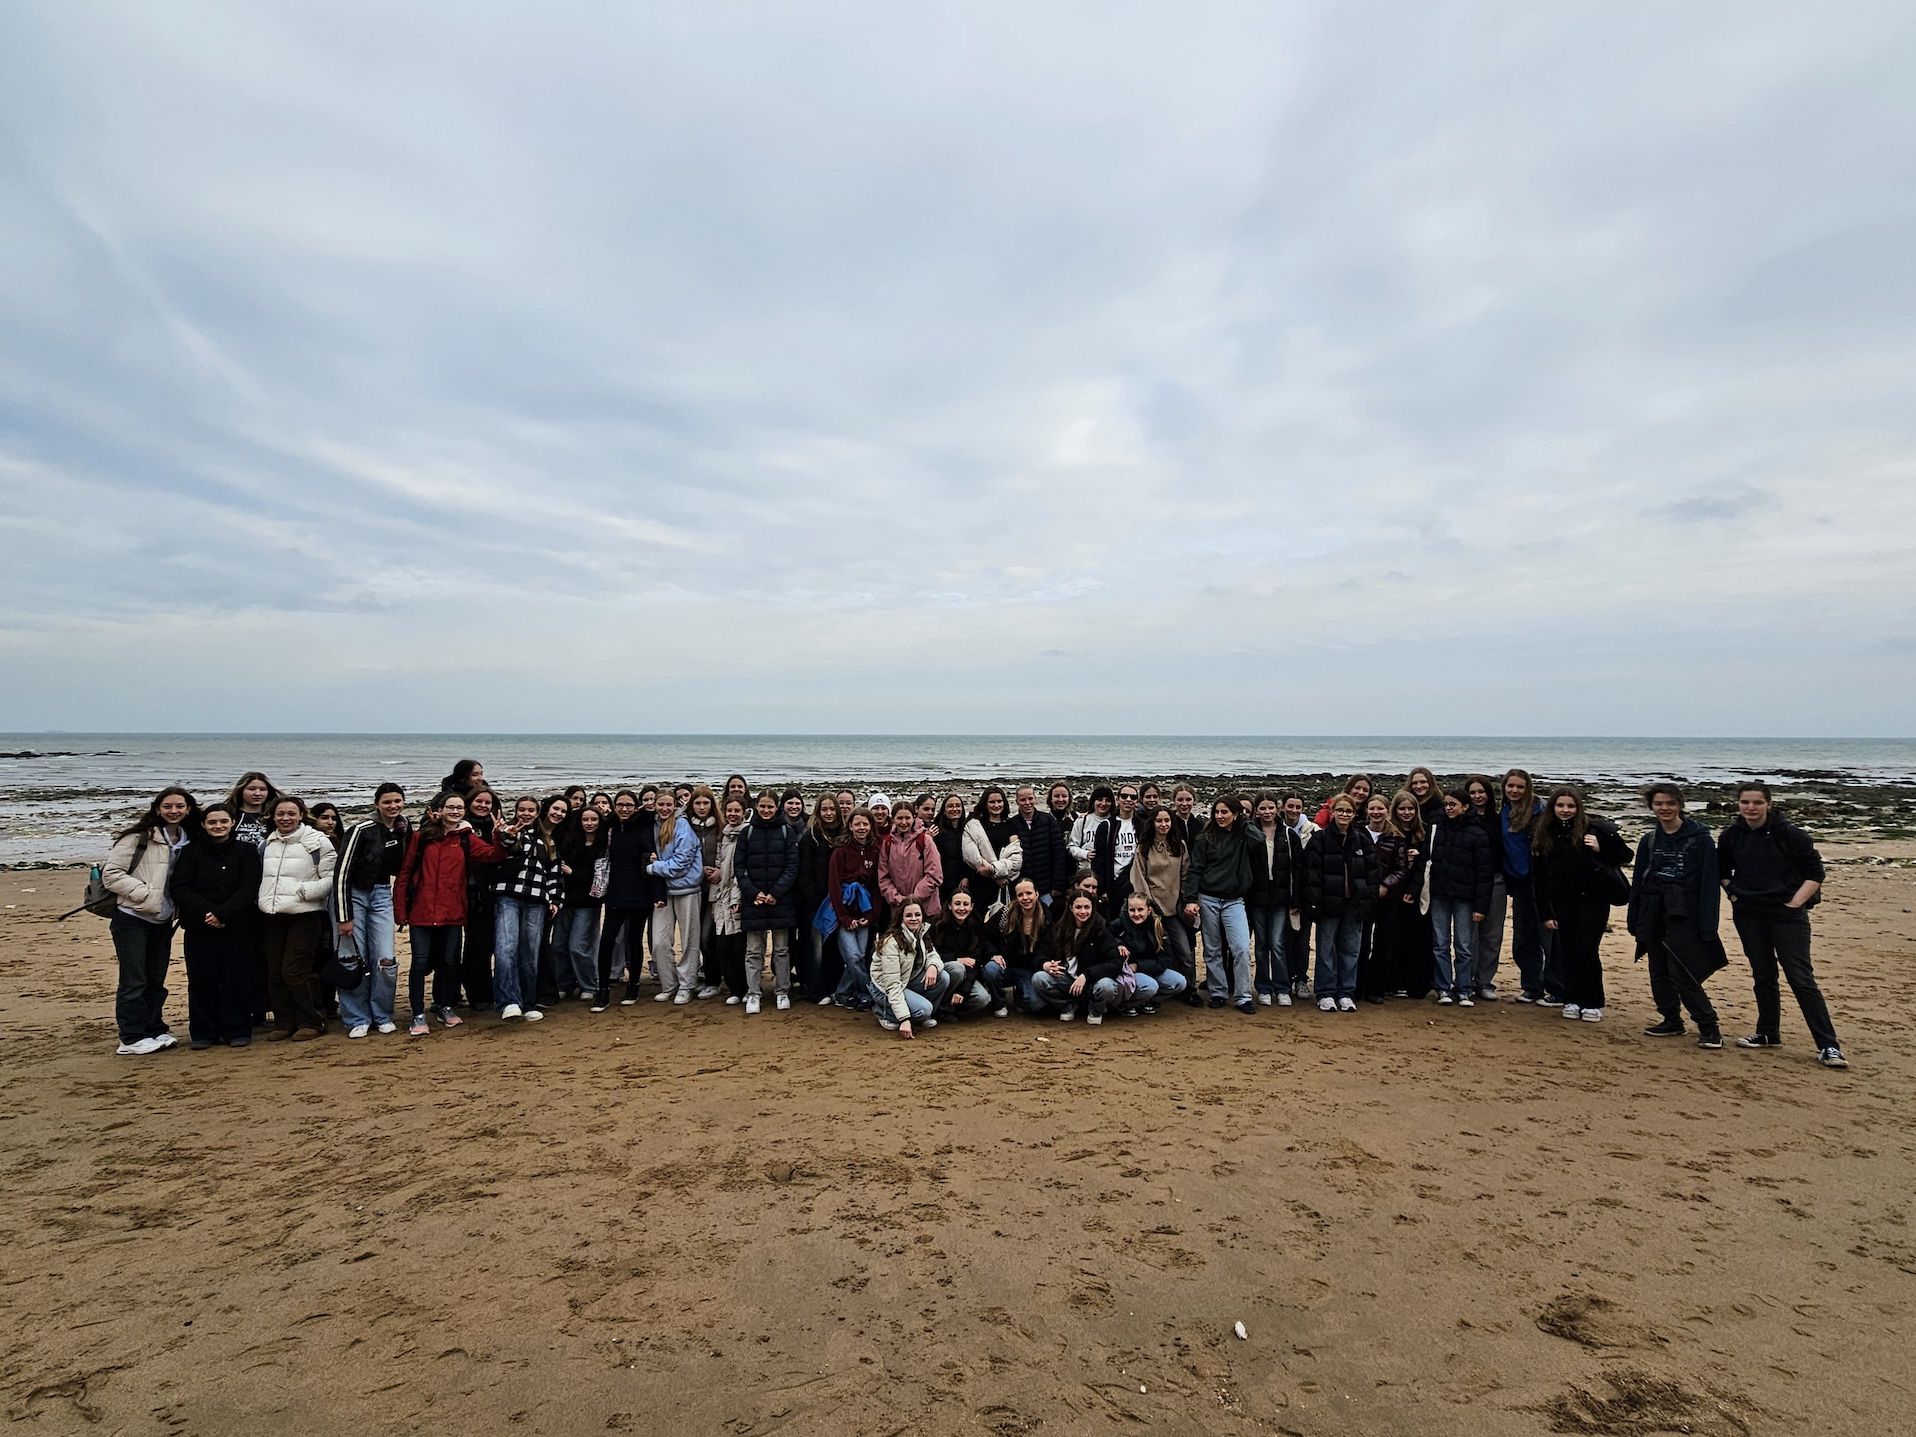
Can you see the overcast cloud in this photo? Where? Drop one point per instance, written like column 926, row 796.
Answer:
column 1429, row 368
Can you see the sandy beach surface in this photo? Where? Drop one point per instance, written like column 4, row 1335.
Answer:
column 681, row 1220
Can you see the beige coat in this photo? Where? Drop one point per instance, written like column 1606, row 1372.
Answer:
column 140, row 884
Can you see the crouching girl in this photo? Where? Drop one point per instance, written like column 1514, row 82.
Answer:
column 906, row 973
column 1140, row 938
column 1083, row 969
column 964, row 947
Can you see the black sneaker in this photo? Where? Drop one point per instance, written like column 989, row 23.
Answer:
column 1218, row 1002
column 631, row 995
column 601, row 1000
column 1760, row 1040
column 1710, row 1039
column 1832, row 1058
column 1194, row 1000
column 1668, row 1028
column 1247, row 1007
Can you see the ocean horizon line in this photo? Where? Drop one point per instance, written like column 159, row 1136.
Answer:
column 706, row 734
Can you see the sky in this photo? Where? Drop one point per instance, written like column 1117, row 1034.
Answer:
column 1079, row 368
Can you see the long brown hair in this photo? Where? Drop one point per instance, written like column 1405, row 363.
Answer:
column 1543, row 831
column 1415, row 833
column 1068, row 938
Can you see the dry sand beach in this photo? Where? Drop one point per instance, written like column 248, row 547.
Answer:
column 684, row 1221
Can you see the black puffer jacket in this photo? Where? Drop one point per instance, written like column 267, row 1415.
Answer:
column 1047, row 862
column 1277, row 868
column 632, row 843
column 1462, row 863
column 766, row 861
column 1341, row 874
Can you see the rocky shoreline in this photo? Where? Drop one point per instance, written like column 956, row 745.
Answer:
column 1834, row 805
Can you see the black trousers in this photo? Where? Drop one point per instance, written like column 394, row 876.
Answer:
column 473, row 971
column 1677, row 966
column 1775, row 938
column 730, row 950
column 219, row 981
column 1579, row 952
column 617, row 921
column 292, row 950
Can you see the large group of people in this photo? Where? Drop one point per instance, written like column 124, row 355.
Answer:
column 939, row 908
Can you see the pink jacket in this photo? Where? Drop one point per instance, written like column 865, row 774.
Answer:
column 910, row 869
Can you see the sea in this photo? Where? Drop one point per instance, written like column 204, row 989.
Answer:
column 62, row 793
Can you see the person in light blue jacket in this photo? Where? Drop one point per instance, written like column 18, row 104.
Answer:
column 680, row 863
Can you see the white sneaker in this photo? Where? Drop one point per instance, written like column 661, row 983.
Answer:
column 929, row 1023
column 664, row 995
column 138, row 1049
column 682, row 997
column 1592, row 1015
column 782, row 1002
column 1001, row 1012
column 1444, row 1000
column 1464, row 1000
column 1327, row 1005
column 1347, row 1005
column 533, row 1015
column 165, row 1040
column 1572, row 1011
column 1265, row 999
column 732, row 1000
column 1093, row 1020
column 389, row 1026
column 358, row 1030
column 1283, row 1000
column 511, row 1010
column 824, row 1002
column 751, row 1005
column 708, row 991
column 1066, row 1016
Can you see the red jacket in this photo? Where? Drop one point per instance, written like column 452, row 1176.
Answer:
column 430, row 891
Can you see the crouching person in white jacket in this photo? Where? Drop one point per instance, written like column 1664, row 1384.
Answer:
column 908, row 980
column 296, row 880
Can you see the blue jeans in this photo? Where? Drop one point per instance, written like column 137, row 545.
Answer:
column 1020, row 978
column 1339, row 941
column 1273, row 968
column 855, row 952
column 575, row 949
column 1227, row 946
column 372, row 1001
column 1167, row 984
column 517, row 926
column 1451, row 927
column 920, row 1003
column 1055, row 993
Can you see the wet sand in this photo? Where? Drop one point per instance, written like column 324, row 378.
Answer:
column 681, row 1220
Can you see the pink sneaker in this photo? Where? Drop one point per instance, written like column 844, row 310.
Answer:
column 450, row 1018
column 418, row 1028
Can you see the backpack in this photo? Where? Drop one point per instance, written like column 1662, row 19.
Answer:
column 98, row 899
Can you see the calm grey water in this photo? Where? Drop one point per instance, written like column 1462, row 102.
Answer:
column 59, row 807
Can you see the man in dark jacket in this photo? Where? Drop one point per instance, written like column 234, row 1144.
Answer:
column 1774, row 875
column 1674, row 904
column 1047, row 862
column 631, row 892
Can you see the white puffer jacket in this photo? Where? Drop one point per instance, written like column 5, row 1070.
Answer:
column 296, row 871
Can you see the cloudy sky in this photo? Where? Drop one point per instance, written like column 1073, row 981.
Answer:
column 1415, row 368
